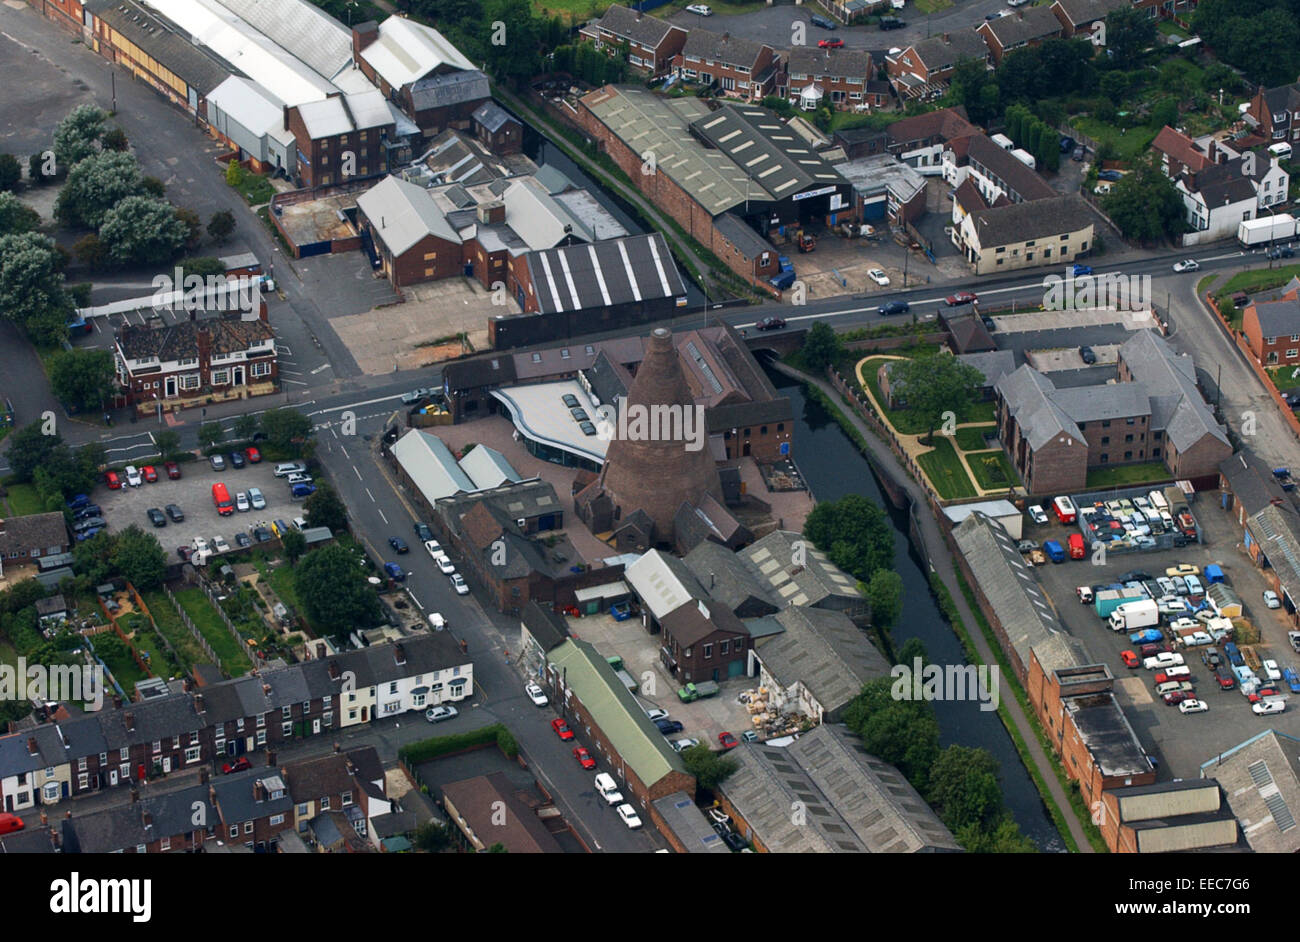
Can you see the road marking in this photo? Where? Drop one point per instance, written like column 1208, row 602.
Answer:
column 294, row 381
column 358, row 474
column 357, row 405
column 344, row 449
column 370, row 495
column 381, row 513
column 323, row 366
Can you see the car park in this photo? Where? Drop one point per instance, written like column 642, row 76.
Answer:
column 157, row 517
column 241, row 502
column 536, row 694
column 627, row 814
column 562, row 729
column 256, row 499
column 436, row 714
column 607, row 788
column 458, row 583
column 133, row 478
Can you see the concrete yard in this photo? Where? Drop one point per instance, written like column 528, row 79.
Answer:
column 1181, row 742
column 396, row 336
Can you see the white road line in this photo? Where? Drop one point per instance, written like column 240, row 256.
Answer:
column 370, row 495
column 359, row 477
column 334, row 433
column 345, row 452
column 294, row 381
column 323, row 366
column 381, row 513
column 356, row 405
column 415, row 600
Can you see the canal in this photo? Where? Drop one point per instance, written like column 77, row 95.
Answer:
column 833, row 467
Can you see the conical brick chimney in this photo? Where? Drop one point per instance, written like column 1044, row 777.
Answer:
column 658, row 476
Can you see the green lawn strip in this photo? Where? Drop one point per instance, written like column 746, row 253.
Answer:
column 1009, row 678
column 214, row 631
column 161, row 664
column 933, row 6
column 1203, row 286
column 255, row 189
column 8, row 653
column 971, row 438
column 909, row 423
column 281, row 581
column 992, row 470
column 171, row 628
column 23, row 500
column 1259, row 279
column 1282, row 376
column 959, row 627
column 1125, row 475
column 946, row 471
column 125, row 670
column 1127, row 145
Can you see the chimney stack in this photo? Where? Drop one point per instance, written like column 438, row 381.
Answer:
column 399, row 654
column 200, row 706
column 32, row 748
column 129, row 719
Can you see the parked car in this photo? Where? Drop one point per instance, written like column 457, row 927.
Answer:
column 629, row 816
column 415, row 395
column 299, row 477
column 445, row 565
column 256, row 499
column 90, row 510
column 422, row 532
column 253, row 455
column 173, row 470
column 219, row 544
column 681, row 745
column 458, row 583
column 1081, row 270
column 561, row 729
column 1271, row 670
column 237, row 765
column 242, row 539
column 1088, row 356
column 607, row 788
column 1130, row 659
column 150, row 474
column 133, row 477
column 112, row 480
column 1038, row 515
column 988, row 323
column 1079, row 152
column 218, row 463
column 1111, row 176
column 1067, row 143
column 237, row 460
column 398, row 544
column 536, row 694
column 436, row 714
column 879, row 277
column 584, row 757
column 656, row 714
column 395, row 572
column 701, row 8
column 1026, row 546
column 1193, row 706
column 830, row 43
column 157, row 517
column 288, row 468
column 241, row 502
column 818, row 20
column 668, row 727
column 1271, row 600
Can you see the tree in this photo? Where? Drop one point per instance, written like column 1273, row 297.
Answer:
column 168, row 442
column 854, row 532
column 78, row 135
column 964, row 787
column 11, row 172
column 1114, row 85
column 821, row 346
column 1002, row 838
column 431, row 837
column 32, row 291
column 143, row 231
column 1145, row 205
column 325, row 509
column 904, row 733
column 234, row 173
column 114, row 139
column 221, row 226
column 519, row 56
column 91, row 252
column 204, row 266
column 1164, row 112
column 193, row 226
column 29, row 448
column 333, row 590
column 152, row 186
column 82, row 377
column 885, row 596
column 15, row 216
column 294, row 545
column 245, row 427
column 938, row 388
column 969, row 86
column 93, row 558
column 94, row 186
column 43, row 168
column 211, row 432
column 138, row 557
column 286, row 429
column 709, row 768
column 913, row 648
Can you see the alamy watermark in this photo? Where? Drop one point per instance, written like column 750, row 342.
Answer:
column 652, row 423
column 955, row 682
column 1112, row 291
column 182, row 292
column 69, row 683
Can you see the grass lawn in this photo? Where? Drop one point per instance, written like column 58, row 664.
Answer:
column 125, row 671
column 23, row 500
column 932, row 6
column 208, row 621
column 972, row 438
column 8, row 653
column 146, row 641
column 169, row 624
column 1126, row 475
column 1259, row 279
column 1282, row 378
column 1167, row 28
column 992, row 470
column 281, row 581
column 1203, row 286
column 1127, row 145
column 255, row 189
column 946, row 472
column 908, row 423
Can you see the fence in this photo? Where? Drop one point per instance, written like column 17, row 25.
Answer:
column 225, row 620
column 193, row 629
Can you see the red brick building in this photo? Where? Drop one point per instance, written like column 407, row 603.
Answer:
column 1272, row 328
column 652, row 44
column 740, row 67
column 340, row 138
column 922, row 70
column 839, row 77
column 1276, row 114
column 412, row 236
column 1028, row 26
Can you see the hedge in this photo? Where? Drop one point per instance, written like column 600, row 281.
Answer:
column 424, row 750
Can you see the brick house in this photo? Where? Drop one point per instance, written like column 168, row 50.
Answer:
column 740, row 67
column 744, row 250
column 414, row 239
column 181, row 364
column 1178, row 153
column 321, row 785
column 1080, row 17
column 922, row 70
column 150, row 824
column 497, row 129
column 1045, row 445
column 1275, row 112
column 651, row 43
column 252, row 806
column 237, row 715
column 1028, row 26
column 1272, row 328
column 811, row 75
column 33, row 537
column 704, row 641
column 340, row 138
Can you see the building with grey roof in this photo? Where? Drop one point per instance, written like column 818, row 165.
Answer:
column 992, row 364
column 818, row 665
column 797, row 573
column 725, row 577
column 1261, row 778
column 651, row 42
column 885, row 187
column 1042, row 232
column 855, row 803
column 1028, row 26
column 688, row 831
column 1272, row 539
column 156, row 822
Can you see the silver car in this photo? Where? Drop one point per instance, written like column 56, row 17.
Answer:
column 256, row 499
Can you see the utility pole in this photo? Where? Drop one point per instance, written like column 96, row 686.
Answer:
column 113, row 77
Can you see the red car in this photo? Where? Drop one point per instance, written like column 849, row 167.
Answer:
column 561, row 729
column 173, row 470
column 254, row 456
column 1261, row 693
column 1130, row 659
column 960, row 298
column 771, row 323
column 1178, row 696
column 237, row 766
column 10, row 823
column 113, row 480
column 1226, row 680
column 727, row 741
column 584, row 757
column 150, row 474
column 830, row 43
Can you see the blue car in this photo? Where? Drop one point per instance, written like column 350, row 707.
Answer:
column 81, row 500
column 395, row 572
column 1146, row 636
column 1292, row 679
column 1082, row 270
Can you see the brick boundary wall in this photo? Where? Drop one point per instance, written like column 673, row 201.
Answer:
column 1239, row 338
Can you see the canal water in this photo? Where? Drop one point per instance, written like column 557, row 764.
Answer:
column 833, row 467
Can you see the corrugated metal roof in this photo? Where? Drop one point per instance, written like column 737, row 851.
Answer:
column 616, row 271
column 406, row 51
column 402, row 214
column 304, row 30
column 431, row 466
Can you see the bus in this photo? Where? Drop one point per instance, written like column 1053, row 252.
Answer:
column 221, row 497
column 1064, row 509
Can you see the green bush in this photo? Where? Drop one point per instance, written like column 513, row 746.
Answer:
column 507, row 744
column 424, row 750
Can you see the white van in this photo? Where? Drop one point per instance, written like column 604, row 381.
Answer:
column 1270, row 705
column 1281, row 151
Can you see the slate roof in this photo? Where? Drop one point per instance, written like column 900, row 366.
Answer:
column 770, row 559
column 968, row 333
column 727, row 579
column 1024, row 26
column 153, row 719
column 164, row 41
column 237, row 801
column 450, row 88
column 1028, row 395
column 401, row 214
column 1261, row 778
column 1251, row 482
column 1023, row 181
column 723, row 48
column 856, row 803
column 941, row 52
column 180, row 341
column 829, row 63
column 740, row 234
column 312, row 779
column 492, row 116
column 1221, row 184
column 1108, row 401
column 635, row 27
column 692, row 622
column 235, row 699
column 1278, row 318
column 548, row 628
column 1080, row 12
column 1040, row 219
column 689, row 825
column 1170, row 380
column 47, row 533
column 479, row 802
column 124, row 827
column 1283, row 98
column 994, row 364
column 825, row 651
column 946, row 124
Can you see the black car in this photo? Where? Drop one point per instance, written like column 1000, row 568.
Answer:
column 1210, row 659
column 734, row 840
column 1087, row 355
column 157, row 517
column 988, row 323
column 175, row 513
column 261, row 534
column 90, row 523
column 398, row 544
column 1135, row 575
column 668, row 727
column 423, row 532
column 892, row 22
column 1067, row 145
column 237, row 460
column 1281, row 251
column 771, row 323
column 243, row 539
column 893, row 307
column 90, row 510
